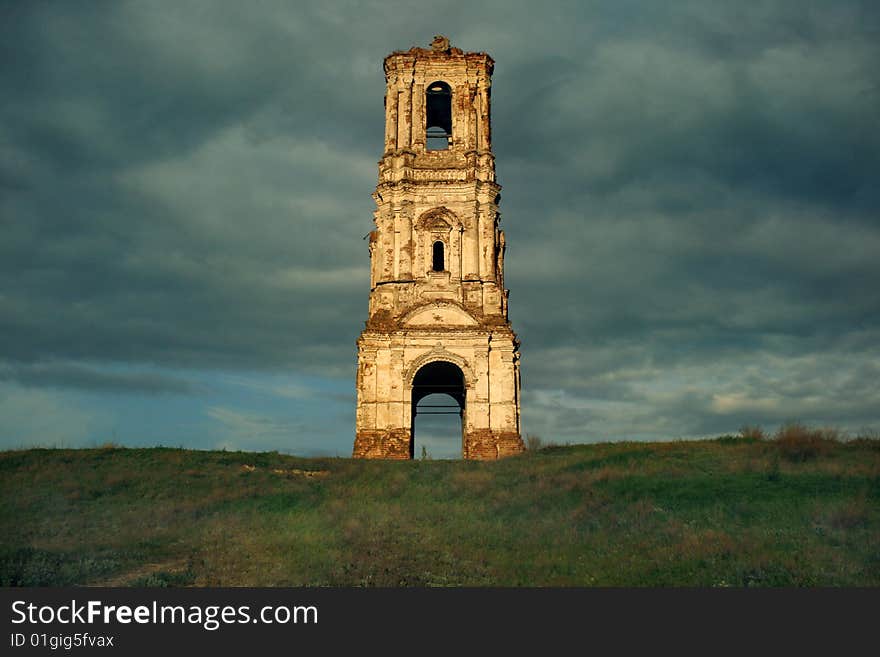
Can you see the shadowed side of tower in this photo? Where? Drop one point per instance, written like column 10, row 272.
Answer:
column 438, row 308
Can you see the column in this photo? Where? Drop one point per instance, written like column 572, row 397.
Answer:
column 487, row 245
column 483, row 141
column 404, row 115
column 391, row 114
column 473, row 117
column 403, row 227
column 386, row 248
column 474, row 242
column 418, row 117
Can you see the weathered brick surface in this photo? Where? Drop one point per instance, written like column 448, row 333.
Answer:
column 485, row 444
column 391, row 444
column 457, row 314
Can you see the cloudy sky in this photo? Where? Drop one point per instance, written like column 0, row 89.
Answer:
column 691, row 201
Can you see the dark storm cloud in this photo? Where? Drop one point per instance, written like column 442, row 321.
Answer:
column 173, row 188
column 707, row 202
column 690, row 197
column 69, row 375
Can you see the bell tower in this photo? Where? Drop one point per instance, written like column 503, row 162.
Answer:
column 438, row 308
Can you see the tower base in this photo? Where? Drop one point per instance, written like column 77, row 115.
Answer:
column 482, row 444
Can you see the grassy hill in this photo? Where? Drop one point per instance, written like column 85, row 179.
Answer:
column 727, row 512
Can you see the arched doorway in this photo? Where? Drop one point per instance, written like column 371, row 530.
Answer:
column 438, row 397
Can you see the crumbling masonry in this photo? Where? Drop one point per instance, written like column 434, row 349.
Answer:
column 438, row 307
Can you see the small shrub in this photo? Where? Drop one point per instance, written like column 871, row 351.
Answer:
column 799, row 443
column 30, row 567
column 749, row 432
column 533, row 442
column 868, row 438
column 770, row 574
column 164, row 580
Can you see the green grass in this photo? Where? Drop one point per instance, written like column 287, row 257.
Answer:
column 727, row 512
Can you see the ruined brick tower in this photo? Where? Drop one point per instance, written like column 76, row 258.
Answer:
column 438, row 307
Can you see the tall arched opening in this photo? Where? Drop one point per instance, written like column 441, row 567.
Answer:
column 438, row 116
column 438, row 398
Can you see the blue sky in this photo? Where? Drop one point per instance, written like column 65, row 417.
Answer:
column 691, row 203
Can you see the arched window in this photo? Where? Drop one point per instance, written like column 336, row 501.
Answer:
column 437, row 257
column 438, row 116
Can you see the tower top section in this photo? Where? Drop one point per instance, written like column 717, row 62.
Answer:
column 437, row 99
column 440, row 50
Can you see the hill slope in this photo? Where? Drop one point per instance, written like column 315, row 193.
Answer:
column 724, row 512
